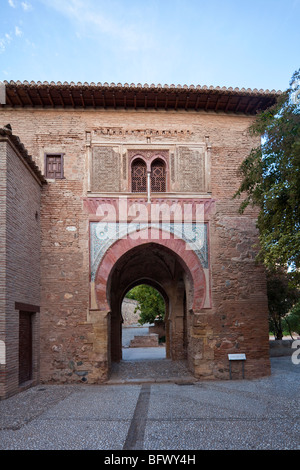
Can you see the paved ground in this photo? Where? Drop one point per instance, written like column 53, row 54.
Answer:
column 244, row 414
column 142, row 354
column 137, row 361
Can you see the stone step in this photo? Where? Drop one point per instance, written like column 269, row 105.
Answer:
column 151, row 371
column 144, row 341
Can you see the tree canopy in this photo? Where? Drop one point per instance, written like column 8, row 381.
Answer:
column 271, row 180
column 283, row 297
column 150, row 303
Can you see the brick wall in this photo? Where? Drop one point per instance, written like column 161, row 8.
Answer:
column 20, row 272
column 65, row 283
column 2, row 259
column 237, row 320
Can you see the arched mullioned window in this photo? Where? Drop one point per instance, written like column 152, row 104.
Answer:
column 138, row 176
column 158, row 176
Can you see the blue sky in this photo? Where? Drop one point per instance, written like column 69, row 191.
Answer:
column 238, row 43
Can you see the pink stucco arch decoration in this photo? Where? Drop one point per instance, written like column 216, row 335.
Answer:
column 187, row 257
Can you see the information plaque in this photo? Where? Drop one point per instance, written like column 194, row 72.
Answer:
column 236, row 357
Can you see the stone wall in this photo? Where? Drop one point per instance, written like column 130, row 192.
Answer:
column 65, row 345
column 158, row 328
column 130, row 317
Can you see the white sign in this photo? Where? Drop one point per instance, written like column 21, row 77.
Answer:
column 237, row 357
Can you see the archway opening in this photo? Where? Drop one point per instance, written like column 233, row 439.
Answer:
column 144, row 313
column 168, row 264
column 159, row 266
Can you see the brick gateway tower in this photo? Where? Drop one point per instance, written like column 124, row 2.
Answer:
column 137, row 187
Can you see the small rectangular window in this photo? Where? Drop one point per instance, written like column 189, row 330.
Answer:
column 54, row 166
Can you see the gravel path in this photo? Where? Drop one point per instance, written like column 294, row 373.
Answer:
column 219, row 415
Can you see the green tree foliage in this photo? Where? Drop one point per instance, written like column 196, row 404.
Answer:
column 282, row 297
column 271, row 179
column 150, row 303
column 291, row 323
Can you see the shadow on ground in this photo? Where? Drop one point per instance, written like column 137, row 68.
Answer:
column 141, row 365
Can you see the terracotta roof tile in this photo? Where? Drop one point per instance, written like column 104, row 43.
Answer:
column 6, row 131
column 137, row 96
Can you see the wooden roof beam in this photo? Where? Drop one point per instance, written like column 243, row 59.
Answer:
column 61, row 98
column 238, row 105
column 40, row 99
column 93, row 99
column 227, row 104
column 71, row 98
column 50, row 97
column 18, row 98
column 9, row 100
column 82, row 100
column 29, row 98
column 218, row 103
column 248, row 107
column 176, row 102
column 187, row 102
column 104, row 101
column 207, row 103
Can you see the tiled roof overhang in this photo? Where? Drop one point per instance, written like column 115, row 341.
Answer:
column 7, row 135
column 148, row 97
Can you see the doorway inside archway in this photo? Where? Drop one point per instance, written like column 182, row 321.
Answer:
column 143, row 324
column 158, row 266
column 169, row 265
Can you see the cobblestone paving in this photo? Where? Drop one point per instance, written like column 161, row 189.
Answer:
column 260, row 414
column 150, row 370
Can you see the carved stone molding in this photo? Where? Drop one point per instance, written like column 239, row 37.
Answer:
column 105, row 169
column 148, row 154
column 120, row 131
column 192, row 169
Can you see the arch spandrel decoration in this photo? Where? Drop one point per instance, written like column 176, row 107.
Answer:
column 194, row 237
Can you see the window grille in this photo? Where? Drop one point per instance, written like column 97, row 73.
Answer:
column 139, row 177
column 158, row 177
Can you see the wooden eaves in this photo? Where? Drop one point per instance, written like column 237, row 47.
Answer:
column 130, row 96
